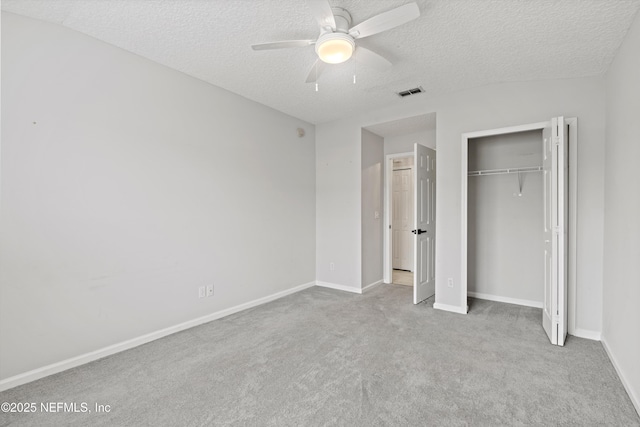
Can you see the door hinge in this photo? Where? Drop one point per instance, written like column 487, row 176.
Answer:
column 556, row 140
column 557, row 230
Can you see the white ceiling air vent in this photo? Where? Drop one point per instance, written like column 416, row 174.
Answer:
column 413, row 91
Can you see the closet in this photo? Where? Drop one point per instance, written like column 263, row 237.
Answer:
column 505, row 218
column 519, row 189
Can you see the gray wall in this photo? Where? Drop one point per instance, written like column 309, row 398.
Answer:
column 338, row 204
column 404, row 143
column 621, row 325
column 505, row 240
column 372, row 172
column 487, row 107
column 126, row 186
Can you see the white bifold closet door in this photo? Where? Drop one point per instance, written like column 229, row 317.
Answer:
column 555, row 170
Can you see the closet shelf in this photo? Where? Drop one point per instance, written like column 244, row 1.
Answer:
column 504, row 171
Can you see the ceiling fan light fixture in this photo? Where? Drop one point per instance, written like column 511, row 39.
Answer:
column 335, row 48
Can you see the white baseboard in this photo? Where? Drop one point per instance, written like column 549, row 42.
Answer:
column 372, row 285
column 634, row 395
column 339, row 287
column 584, row 333
column 508, row 300
column 54, row 368
column 451, row 308
column 350, row 288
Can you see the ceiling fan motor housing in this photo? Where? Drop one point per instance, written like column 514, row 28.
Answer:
column 342, row 18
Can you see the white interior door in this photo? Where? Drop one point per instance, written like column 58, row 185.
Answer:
column 424, row 239
column 555, row 170
column 402, row 220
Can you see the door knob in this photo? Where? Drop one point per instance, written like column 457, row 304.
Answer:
column 418, row 231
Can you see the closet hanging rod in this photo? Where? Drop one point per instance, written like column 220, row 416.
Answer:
column 504, row 171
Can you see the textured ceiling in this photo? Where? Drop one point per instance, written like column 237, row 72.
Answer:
column 455, row 44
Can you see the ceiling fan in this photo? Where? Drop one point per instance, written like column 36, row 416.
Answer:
column 337, row 40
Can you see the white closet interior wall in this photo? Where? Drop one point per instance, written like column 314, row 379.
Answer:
column 505, row 239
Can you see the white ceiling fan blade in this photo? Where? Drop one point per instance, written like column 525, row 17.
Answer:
column 371, row 59
column 283, row 44
column 321, row 10
column 315, row 71
column 385, row 21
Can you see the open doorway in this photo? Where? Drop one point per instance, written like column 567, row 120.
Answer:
column 402, row 199
column 409, row 143
column 410, row 222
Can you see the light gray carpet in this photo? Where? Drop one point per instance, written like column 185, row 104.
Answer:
column 325, row 357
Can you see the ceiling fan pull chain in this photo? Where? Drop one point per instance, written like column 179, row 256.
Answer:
column 355, row 65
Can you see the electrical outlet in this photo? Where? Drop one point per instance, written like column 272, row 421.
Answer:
column 332, row 266
column 202, row 292
column 450, row 282
column 209, row 290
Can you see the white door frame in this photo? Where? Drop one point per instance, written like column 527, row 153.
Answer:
column 387, row 259
column 573, row 203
